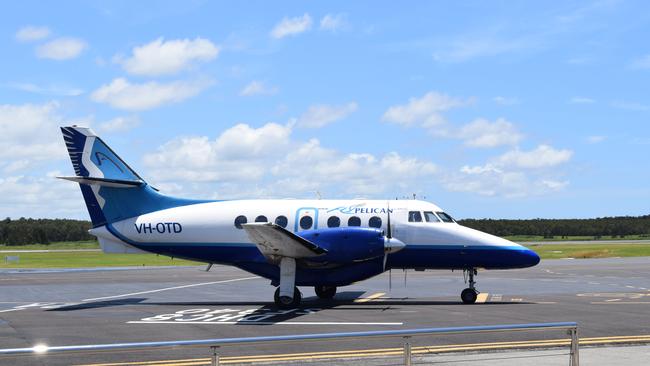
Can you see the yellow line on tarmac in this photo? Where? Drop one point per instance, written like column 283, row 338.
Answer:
column 371, row 297
column 482, row 297
column 390, row 351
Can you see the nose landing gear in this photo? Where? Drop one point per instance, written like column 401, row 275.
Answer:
column 469, row 294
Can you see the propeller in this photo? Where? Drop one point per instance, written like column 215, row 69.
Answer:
column 391, row 245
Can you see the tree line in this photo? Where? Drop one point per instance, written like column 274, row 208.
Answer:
column 45, row 231
column 620, row 226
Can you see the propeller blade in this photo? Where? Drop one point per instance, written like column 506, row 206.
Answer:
column 389, row 230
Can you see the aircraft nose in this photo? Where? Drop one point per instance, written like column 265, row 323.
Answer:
column 526, row 257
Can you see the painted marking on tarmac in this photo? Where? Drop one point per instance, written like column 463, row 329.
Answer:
column 168, row 288
column 259, row 316
column 482, row 297
column 40, row 305
column 371, row 297
column 244, row 322
column 388, row 351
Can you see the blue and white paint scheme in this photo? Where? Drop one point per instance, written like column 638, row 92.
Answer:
column 321, row 243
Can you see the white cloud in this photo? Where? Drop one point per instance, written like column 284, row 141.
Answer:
column 235, row 155
column 257, row 88
column 483, row 133
column 477, row 46
column 320, row 115
column 161, row 57
column 332, row 22
column 581, row 100
column 543, row 156
column 505, row 100
column 595, row 139
column 514, row 174
column 27, row 133
column 55, row 90
column 61, row 49
column 266, row 162
column 292, row 26
column 32, row 33
column 121, row 94
column 44, row 196
column 120, row 124
column 641, row 63
column 630, row 106
column 424, row 110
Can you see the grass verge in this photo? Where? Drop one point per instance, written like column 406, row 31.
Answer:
column 558, row 251
column 89, row 259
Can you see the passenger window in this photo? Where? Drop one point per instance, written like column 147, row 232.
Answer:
column 444, row 217
column 261, row 218
column 415, row 216
column 241, row 219
column 374, row 221
column 354, row 221
column 306, row 222
column 333, row 221
column 281, row 221
column 430, row 217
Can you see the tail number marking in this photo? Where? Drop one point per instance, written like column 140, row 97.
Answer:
column 160, row 228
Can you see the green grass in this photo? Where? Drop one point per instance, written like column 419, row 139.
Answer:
column 99, row 259
column 92, row 244
column 89, row 259
column 557, row 251
column 525, row 238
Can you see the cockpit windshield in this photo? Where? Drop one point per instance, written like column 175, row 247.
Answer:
column 444, row 217
column 430, row 217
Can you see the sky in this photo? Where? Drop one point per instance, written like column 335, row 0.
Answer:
column 490, row 109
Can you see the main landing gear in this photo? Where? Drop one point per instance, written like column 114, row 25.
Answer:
column 469, row 294
column 325, row 292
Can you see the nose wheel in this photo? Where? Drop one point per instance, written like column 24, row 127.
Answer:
column 286, row 302
column 469, row 294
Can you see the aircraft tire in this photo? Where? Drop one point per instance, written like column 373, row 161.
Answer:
column 325, row 292
column 284, row 302
column 468, row 296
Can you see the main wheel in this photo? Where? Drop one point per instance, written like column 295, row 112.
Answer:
column 325, row 292
column 285, row 302
column 468, row 296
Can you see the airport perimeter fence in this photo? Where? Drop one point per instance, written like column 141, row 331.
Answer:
column 215, row 345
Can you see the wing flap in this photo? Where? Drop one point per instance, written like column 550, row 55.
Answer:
column 275, row 241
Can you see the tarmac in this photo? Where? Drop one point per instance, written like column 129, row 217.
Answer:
column 609, row 298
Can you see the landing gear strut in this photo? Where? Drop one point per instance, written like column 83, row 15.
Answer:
column 287, row 295
column 325, row 292
column 469, row 294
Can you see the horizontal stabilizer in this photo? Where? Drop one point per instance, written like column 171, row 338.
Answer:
column 274, row 241
column 106, row 182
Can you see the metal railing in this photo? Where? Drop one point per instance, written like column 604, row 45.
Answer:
column 216, row 343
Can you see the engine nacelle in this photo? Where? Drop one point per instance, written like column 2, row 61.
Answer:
column 347, row 244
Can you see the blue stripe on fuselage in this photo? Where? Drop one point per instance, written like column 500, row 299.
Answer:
column 412, row 256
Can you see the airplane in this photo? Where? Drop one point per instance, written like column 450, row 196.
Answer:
column 322, row 243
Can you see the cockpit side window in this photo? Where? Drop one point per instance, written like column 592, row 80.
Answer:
column 430, row 217
column 415, row 216
column 444, row 217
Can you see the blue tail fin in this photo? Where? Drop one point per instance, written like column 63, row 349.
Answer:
column 112, row 190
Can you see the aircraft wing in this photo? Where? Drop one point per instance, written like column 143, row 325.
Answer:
column 275, row 241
